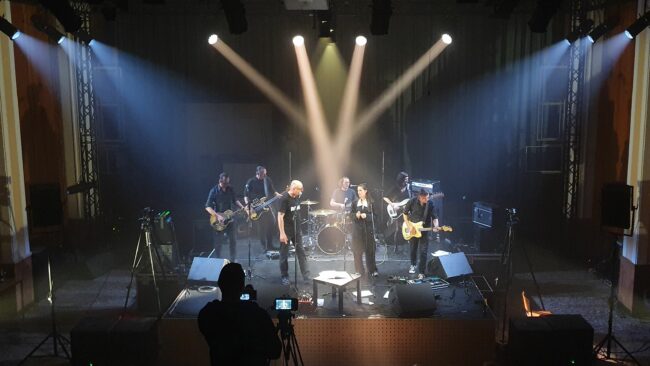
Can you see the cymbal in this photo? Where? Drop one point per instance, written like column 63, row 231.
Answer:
column 322, row 212
column 309, row 203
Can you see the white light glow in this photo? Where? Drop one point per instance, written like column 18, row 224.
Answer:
column 213, row 39
column 16, row 35
column 446, row 38
column 61, row 39
column 361, row 40
column 298, row 41
column 629, row 35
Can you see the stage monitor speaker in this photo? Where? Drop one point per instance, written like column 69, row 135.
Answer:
column 550, row 340
column 205, row 271
column 616, row 205
column 487, row 215
column 450, row 265
column 412, row 301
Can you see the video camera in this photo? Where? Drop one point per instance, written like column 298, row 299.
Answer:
column 286, row 304
column 249, row 293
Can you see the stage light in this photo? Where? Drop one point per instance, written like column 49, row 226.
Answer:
column 64, row 13
column 213, row 39
column 325, row 23
column 446, row 38
column 638, row 26
column 580, row 32
column 361, row 40
column 235, row 16
column 52, row 33
column 9, row 29
column 381, row 12
column 542, row 15
column 298, row 41
column 600, row 30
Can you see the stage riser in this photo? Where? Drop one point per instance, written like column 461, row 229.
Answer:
column 356, row 341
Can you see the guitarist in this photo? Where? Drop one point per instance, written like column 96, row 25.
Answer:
column 222, row 198
column 258, row 187
column 420, row 208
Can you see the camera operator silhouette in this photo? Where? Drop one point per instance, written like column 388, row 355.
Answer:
column 237, row 331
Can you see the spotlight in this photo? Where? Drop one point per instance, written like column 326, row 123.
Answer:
column 325, row 23
column 580, row 32
column 51, row 32
column 9, row 29
column 64, row 13
column 298, row 41
column 235, row 15
column 638, row 26
column 446, row 38
column 213, row 39
column 542, row 15
column 381, row 12
column 601, row 30
column 361, row 40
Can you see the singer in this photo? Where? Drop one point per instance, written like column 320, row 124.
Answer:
column 289, row 227
column 363, row 237
column 343, row 196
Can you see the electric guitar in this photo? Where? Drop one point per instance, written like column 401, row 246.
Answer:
column 415, row 229
column 228, row 216
column 261, row 205
column 394, row 212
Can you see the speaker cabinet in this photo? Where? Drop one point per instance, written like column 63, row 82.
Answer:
column 450, row 265
column 109, row 341
column 550, row 340
column 205, row 271
column 616, row 205
column 411, row 301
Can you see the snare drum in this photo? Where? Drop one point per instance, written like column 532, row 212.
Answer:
column 331, row 239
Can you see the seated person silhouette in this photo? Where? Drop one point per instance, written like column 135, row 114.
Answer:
column 238, row 332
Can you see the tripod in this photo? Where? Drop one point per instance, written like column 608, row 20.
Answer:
column 609, row 338
column 506, row 260
column 146, row 231
column 290, row 348
column 57, row 338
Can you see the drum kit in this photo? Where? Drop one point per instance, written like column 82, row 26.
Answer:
column 325, row 229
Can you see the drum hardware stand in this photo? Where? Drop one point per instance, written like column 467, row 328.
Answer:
column 146, row 229
column 57, row 338
column 506, row 260
column 249, row 224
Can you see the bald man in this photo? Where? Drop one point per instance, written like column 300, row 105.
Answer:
column 289, row 227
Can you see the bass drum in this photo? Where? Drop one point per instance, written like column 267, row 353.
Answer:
column 331, row 240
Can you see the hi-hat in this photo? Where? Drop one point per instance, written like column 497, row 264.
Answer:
column 309, row 203
column 322, row 212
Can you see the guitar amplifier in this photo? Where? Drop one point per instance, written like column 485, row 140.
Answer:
column 431, row 186
column 487, row 215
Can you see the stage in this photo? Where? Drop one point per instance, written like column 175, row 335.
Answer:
column 366, row 333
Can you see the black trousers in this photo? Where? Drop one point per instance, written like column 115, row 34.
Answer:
column 266, row 229
column 363, row 242
column 300, row 256
column 419, row 252
column 219, row 238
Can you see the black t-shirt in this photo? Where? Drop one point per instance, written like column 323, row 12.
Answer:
column 290, row 207
column 255, row 188
column 221, row 200
column 396, row 195
column 348, row 196
column 238, row 333
column 417, row 212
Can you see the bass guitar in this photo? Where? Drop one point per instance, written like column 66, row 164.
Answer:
column 396, row 209
column 228, row 217
column 415, row 229
column 261, row 205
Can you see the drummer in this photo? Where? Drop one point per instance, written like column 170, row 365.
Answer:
column 343, row 196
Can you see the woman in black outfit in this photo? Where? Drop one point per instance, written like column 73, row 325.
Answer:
column 363, row 238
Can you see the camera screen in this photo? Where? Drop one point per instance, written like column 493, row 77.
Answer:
column 245, row 297
column 282, row 304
